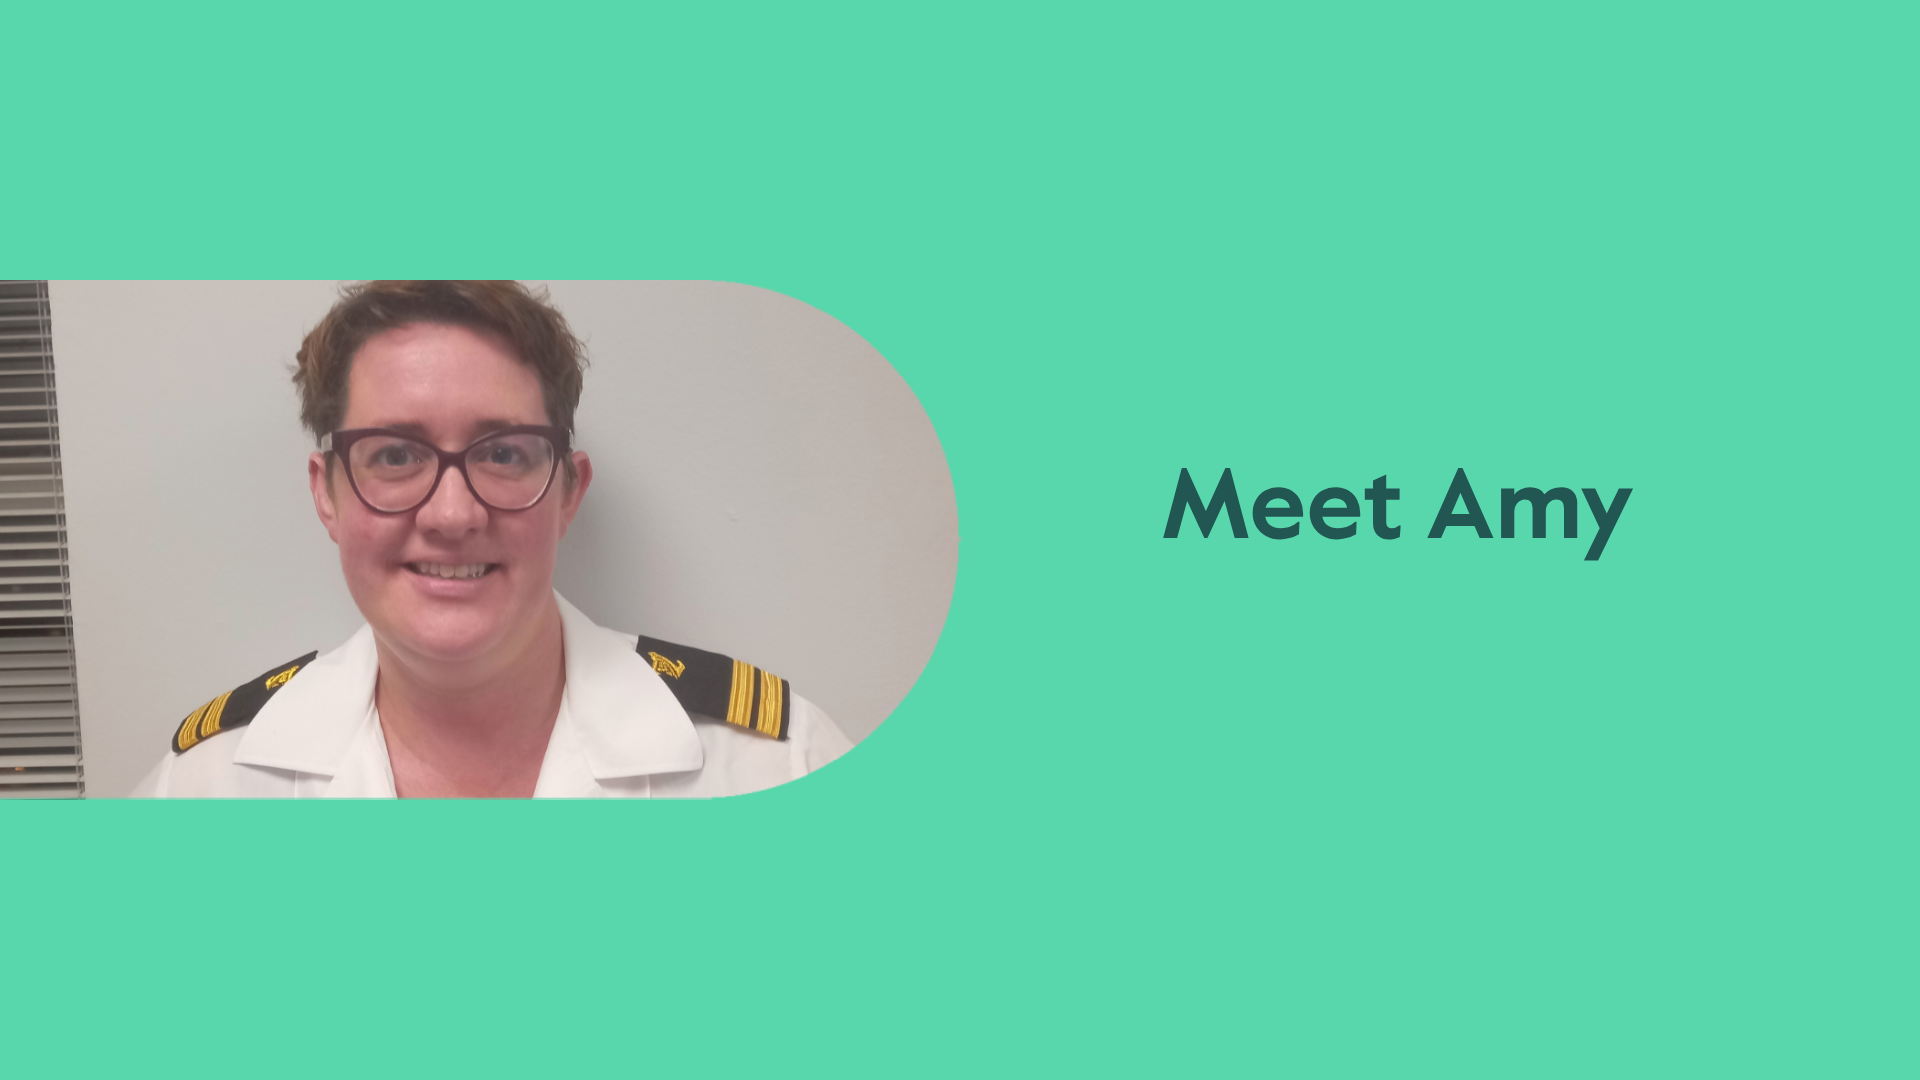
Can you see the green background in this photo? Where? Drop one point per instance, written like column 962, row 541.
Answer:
column 1452, row 808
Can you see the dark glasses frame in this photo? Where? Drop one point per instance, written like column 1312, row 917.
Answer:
column 340, row 442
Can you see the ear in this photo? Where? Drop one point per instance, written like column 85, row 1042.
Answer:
column 570, row 504
column 323, row 495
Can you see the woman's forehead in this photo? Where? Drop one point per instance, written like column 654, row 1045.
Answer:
column 441, row 380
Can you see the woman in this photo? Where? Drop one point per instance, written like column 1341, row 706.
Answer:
column 445, row 475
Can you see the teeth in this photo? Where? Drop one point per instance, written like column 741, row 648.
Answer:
column 444, row 570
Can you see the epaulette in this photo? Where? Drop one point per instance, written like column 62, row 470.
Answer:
column 235, row 708
column 709, row 684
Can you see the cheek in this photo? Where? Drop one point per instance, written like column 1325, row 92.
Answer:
column 369, row 544
column 532, row 541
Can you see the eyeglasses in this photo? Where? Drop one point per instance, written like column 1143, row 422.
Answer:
column 393, row 473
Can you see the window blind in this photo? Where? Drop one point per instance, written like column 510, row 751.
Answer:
column 39, row 718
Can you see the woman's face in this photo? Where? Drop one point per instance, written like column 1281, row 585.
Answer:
column 448, row 386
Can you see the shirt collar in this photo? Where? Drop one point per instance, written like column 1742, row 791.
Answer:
column 627, row 722
column 311, row 721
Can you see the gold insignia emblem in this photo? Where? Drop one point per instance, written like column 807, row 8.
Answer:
column 665, row 666
column 280, row 678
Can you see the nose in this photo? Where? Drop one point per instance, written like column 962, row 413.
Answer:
column 452, row 511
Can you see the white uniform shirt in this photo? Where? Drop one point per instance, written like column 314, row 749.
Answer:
column 620, row 734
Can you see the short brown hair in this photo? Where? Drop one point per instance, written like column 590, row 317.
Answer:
column 524, row 320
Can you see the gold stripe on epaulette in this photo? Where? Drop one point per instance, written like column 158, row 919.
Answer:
column 770, row 704
column 203, row 722
column 740, row 703
column 210, row 724
column 189, row 728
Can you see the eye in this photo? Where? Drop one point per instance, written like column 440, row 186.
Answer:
column 504, row 454
column 394, row 455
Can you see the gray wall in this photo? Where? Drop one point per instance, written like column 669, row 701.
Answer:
column 764, row 485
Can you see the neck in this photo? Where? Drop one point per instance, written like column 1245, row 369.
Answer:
column 478, row 729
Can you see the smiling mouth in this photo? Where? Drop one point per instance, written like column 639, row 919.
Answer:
column 451, row 572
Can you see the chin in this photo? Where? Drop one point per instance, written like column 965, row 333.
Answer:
column 456, row 636
column 452, row 649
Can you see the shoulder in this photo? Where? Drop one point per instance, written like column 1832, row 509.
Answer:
column 744, row 698
column 722, row 688
column 738, row 762
column 198, row 761
column 237, row 707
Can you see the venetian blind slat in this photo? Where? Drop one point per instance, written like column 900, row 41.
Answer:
column 40, row 754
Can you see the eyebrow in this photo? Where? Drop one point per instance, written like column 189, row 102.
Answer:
column 419, row 430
